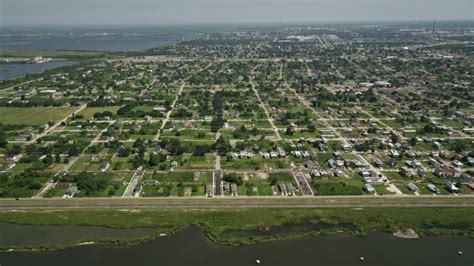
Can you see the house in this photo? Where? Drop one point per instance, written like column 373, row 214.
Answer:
column 104, row 166
column 338, row 173
column 137, row 188
column 234, row 156
column 117, row 182
column 471, row 186
column 331, row 163
column 408, row 172
column 446, row 172
column 412, row 187
column 457, row 163
column 159, row 109
column 433, row 188
column 209, row 190
column 48, row 92
column 374, row 180
column 394, row 153
column 208, row 118
column 23, row 137
column 322, row 147
column 346, row 147
column 377, row 162
column 290, row 189
column 451, row 187
column 433, row 162
column 196, row 176
column 340, row 163
column 315, row 174
column 364, row 173
column 174, row 164
column 348, row 163
column 392, row 163
column 466, row 178
column 282, row 188
column 233, row 189
column 369, row 188
column 71, row 191
column 20, row 94
column 63, row 185
column 150, row 182
column 382, row 83
column 470, row 161
column 311, row 164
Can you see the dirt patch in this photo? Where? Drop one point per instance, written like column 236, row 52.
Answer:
column 406, row 234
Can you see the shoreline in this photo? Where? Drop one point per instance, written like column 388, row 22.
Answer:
column 214, row 223
column 218, row 241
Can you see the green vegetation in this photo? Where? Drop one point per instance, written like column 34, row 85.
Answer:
column 33, row 116
column 337, row 187
column 425, row 221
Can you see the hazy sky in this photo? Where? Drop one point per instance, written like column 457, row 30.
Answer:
column 71, row 12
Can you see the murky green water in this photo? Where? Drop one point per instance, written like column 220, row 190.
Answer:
column 34, row 235
column 192, row 247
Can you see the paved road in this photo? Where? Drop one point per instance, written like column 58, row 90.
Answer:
column 302, row 183
column 218, row 182
column 262, row 105
column 230, row 205
column 129, row 191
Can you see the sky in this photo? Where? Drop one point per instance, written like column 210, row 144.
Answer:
column 121, row 12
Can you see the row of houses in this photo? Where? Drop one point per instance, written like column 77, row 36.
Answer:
column 286, row 189
column 370, row 177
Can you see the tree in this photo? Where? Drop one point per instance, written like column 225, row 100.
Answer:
column 156, row 158
column 48, row 160
column 3, row 141
column 311, row 128
column 394, row 137
column 123, row 152
column 222, row 146
column 90, row 184
column 14, row 150
column 233, row 178
column 201, row 150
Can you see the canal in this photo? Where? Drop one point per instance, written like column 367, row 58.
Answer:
column 192, row 247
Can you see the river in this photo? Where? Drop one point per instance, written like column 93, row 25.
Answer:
column 192, row 247
column 13, row 70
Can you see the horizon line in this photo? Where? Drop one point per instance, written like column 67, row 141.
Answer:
column 216, row 23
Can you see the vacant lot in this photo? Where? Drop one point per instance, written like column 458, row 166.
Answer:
column 33, row 116
column 90, row 111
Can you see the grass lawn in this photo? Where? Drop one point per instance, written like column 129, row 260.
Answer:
column 343, row 186
column 33, row 116
column 90, row 111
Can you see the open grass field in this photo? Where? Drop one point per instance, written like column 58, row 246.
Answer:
column 33, row 116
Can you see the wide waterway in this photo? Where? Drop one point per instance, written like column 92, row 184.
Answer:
column 13, row 70
column 192, row 247
column 43, row 235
